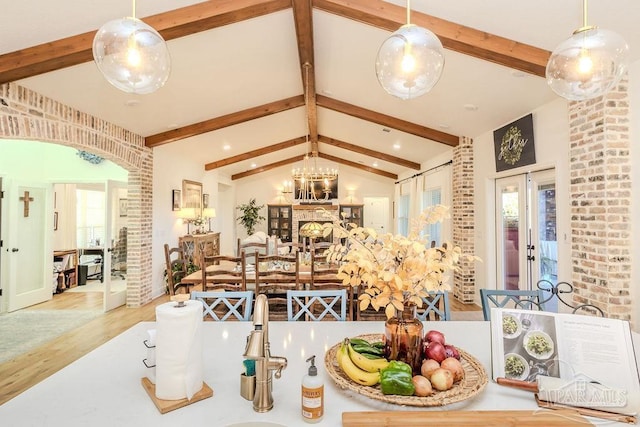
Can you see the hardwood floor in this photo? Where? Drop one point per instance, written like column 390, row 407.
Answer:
column 21, row 373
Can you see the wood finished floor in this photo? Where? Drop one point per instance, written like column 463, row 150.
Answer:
column 21, row 373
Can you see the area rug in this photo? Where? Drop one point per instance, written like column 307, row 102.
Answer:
column 24, row 330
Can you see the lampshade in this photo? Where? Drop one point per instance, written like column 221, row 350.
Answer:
column 588, row 64
column 209, row 213
column 410, row 62
column 131, row 55
column 312, row 230
column 187, row 213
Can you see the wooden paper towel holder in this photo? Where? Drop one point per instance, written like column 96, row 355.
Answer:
column 165, row 406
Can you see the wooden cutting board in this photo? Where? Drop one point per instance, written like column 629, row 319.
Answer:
column 536, row 418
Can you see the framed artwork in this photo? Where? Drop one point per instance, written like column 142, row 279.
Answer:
column 55, row 221
column 123, row 207
column 175, row 200
column 205, row 201
column 192, row 195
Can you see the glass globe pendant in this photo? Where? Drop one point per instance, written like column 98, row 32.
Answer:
column 132, row 56
column 588, row 64
column 410, row 62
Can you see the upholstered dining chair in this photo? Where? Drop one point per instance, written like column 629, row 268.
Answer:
column 520, row 299
column 434, row 307
column 317, row 304
column 176, row 269
column 224, row 305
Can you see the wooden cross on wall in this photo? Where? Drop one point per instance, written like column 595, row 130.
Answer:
column 26, row 200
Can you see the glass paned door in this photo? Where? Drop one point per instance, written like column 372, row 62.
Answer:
column 526, row 230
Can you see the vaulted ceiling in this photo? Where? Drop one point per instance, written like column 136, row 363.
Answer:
column 236, row 99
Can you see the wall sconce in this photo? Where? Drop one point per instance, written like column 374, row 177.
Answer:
column 208, row 213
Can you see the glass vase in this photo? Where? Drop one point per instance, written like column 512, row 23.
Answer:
column 403, row 338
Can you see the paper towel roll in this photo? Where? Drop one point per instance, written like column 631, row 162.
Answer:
column 178, row 350
column 151, row 355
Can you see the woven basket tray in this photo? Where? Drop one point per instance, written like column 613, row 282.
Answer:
column 475, row 379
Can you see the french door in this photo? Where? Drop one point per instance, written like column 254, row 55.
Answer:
column 115, row 254
column 526, row 230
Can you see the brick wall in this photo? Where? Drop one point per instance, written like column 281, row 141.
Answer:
column 25, row 114
column 463, row 218
column 600, row 194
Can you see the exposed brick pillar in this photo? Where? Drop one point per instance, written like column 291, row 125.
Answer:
column 600, row 192
column 463, row 219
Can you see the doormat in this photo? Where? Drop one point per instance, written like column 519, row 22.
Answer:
column 24, row 330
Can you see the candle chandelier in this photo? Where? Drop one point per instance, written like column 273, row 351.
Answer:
column 309, row 178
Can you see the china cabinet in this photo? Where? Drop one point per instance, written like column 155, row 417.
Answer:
column 279, row 221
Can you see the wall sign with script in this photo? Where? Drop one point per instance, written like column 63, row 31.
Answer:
column 514, row 144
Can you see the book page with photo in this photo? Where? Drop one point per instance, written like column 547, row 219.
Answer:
column 582, row 360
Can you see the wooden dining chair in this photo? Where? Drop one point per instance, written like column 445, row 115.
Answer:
column 274, row 276
column 369, row 313
column 222, row 306
column 222, row 272
column 520, row 299
column 435, row 307
column 175, row 269
column 317, row 305
column 248, row 249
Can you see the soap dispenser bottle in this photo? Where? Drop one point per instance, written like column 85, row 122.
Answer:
column 312, row 394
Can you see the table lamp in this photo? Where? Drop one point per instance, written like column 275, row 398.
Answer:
column 209, row 213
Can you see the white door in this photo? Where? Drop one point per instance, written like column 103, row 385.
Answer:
column 526, row 230
column 115, row 245
column 376, row 214
column 28, row 254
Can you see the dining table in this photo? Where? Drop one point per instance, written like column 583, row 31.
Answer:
column 104, row 387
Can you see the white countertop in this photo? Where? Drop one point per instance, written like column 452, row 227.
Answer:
column 103, row 388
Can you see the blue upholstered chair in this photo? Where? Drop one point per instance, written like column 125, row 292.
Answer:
column 524, row 300
column 316, row 304
column 223, row 305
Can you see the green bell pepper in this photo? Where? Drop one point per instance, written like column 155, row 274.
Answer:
column 397, row 379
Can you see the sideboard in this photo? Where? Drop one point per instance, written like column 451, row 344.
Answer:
column 194, row 243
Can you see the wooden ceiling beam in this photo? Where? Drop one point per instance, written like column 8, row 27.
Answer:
column 368, row 152
column 455, row 37
column 358, row 166
column 255, row 153
column 265, row 168
column 392, row 122
column 173, row 24
column 303, row 18
column 224, row 121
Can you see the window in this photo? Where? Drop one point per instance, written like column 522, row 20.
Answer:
column 430, row 198
column 403, row 215
column 90, row 218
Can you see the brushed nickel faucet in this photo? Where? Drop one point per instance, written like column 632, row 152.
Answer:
column 258, row 349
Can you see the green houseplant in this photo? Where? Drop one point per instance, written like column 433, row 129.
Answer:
column 250, row 216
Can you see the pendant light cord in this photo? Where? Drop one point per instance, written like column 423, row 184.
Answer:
column 134, row 9
column 409, row 12
column 584, row 13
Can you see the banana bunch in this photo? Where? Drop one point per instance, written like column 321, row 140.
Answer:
column 359, row 368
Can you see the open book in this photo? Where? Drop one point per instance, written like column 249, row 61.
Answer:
column 575, row 360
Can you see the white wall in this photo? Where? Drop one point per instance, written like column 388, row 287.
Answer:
column 551, row 133
column 634, row 100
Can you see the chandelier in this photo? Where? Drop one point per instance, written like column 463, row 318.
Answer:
column 309, row 178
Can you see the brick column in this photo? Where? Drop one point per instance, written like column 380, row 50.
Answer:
column 600, row 194
column 463, row 218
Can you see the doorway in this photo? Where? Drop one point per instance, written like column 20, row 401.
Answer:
column 526, row 230
column 376, row 213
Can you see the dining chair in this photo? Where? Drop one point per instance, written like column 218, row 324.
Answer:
column 367, row 314
column 222, row 305
column 520, row 299
column 175, row 269
column 317, row 304
column 435, row 306
column 249, row 248
column 223, row 272
column 274, row 276
column 290, row 249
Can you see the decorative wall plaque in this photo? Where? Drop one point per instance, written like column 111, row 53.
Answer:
column 514, row 144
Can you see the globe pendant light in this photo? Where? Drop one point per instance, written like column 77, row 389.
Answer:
column 588, row 64
column 131, row 55
column 410, row 61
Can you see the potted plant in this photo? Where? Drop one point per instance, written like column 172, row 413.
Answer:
column 250, row 216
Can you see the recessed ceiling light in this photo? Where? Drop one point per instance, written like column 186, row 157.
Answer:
column 226, row 147
column 375, row 164
column 470, row 107
column 387, row 130
column 253, row 165
column 443, row 126
column 132, row 102
column 396, row 146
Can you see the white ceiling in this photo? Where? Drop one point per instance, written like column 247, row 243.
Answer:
column 255, row 62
